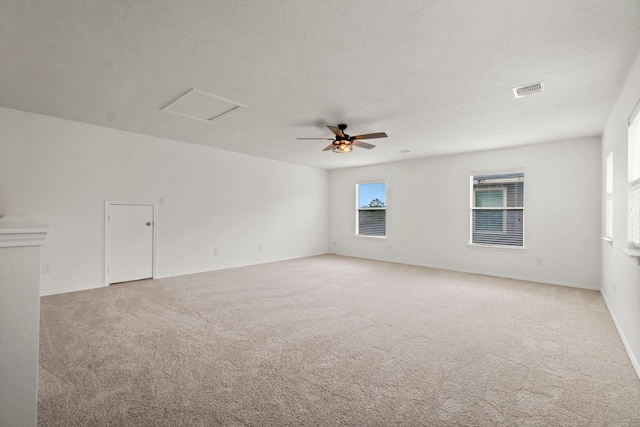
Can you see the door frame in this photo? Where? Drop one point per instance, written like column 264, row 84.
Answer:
column 107, row 205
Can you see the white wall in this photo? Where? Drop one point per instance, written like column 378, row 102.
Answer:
column 428, row 212
column 61, row 172
column 620, row 272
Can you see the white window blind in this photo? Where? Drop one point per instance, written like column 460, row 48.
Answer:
column 634, row 177
column 497, row 209
column 609, row 198
column 371, row 209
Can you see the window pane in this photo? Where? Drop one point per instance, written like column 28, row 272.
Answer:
column 609, row 217
column 489, row 221
column 372, row 222
column 634, row 179
column 609, row 198
column 634, row 215
column 634, row 150
column 507, row 231
column 490, row 198
column 372, row 195
column 609, row 173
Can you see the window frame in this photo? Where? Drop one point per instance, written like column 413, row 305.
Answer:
column 358, row 209
column 505, row 208
column 633, row 178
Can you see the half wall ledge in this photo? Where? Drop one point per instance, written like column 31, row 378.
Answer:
column 20, row 230
column 21, row 240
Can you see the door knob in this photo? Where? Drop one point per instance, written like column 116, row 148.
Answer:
column 148, row 224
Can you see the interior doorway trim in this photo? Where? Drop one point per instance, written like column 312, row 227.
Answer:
column 107, row 205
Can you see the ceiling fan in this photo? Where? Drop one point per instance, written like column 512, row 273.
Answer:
column 343, row 143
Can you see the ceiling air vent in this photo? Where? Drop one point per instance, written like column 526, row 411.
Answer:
column 202, row 106
column 526, row 90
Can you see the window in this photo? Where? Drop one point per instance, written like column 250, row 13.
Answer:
column 371, row 209
column 609, row 199
column 634, row 178
column 497, row 209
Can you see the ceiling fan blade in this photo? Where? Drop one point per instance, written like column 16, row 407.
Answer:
column 370, row 135
column 364, row 145
column 336, row 131
column 328, row 139
column 330, row 147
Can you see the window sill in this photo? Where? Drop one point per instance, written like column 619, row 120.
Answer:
column 498, row 247
column 371, row 237
column 635, row 253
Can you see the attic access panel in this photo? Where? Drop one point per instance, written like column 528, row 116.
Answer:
column 200, row 105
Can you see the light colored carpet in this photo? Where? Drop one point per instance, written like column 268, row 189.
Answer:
column 333, row 341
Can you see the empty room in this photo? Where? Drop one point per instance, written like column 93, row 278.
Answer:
column 320, row 213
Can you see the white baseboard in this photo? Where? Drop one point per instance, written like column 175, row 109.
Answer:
column 225, row 267
column 67, row 290
column 634, row 359
column 483, row 273
column 528, row 279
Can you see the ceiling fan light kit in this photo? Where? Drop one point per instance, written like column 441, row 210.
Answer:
column 343, row 143
column 342, row 148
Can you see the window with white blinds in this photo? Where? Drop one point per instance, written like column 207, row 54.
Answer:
column 634, row 177
column 371, row 210
column 608, row 233
column 497, row 209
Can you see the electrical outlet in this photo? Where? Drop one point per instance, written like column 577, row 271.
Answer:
column 215, row 252
column 539, row 262
column 46, row 269
column 260, row 248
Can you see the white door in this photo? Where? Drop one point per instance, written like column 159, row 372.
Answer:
column 130, row 242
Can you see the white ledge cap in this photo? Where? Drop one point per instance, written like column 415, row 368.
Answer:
column 20, row 230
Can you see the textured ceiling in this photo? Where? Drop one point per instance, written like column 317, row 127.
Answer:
column 436, row 75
